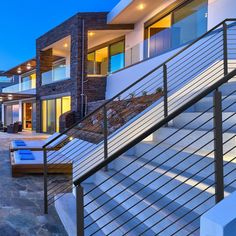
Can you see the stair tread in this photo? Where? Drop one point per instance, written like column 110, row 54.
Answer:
column 118, row 210
column 151, row 201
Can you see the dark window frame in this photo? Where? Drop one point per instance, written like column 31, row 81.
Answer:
column 108, row 44
column 159, row 16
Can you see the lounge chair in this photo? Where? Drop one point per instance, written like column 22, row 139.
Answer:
column 31, row 162
column 13, row 128
column 23, row 144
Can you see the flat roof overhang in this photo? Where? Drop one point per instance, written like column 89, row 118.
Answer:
column 132, row 11
column 23, row 66
column 10, row 97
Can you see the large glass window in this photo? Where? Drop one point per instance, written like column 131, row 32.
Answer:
column 12, row 114
column 181, row 26
column 59, row 70
column 107, row 59
column 98, row 62
column 28, row 82
column 117, row 56
column 52, row 110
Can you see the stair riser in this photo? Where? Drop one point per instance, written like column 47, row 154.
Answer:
column 197, row 140
column 182, row 161
column 228, row 105
column 187, row 120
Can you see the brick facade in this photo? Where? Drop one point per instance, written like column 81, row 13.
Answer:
column 77, row 28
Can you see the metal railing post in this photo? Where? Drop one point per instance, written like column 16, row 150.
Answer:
column 218, row 147
column 165, row 90
column 79, row 210
column 45, row 175
column 105, row 133
column 225, row 48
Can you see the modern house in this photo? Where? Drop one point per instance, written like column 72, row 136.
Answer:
column 18, row 100
column 150, row 88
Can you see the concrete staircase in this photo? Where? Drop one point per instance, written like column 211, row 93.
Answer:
column 177, row 188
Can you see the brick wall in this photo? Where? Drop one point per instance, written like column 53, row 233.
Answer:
column 77, row 28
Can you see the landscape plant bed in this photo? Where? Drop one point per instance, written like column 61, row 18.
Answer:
column 118, row 114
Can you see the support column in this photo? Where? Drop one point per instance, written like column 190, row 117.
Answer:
column 3, row 114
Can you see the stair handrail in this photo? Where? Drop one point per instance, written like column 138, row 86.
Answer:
column 140, row 79
column 157, row 126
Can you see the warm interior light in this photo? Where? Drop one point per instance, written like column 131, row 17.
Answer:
column 65, row 45
column 28, row 66
column 9, row 96
column 71, row 138
column 19, row 70
column 91, row 34
column 141, row 6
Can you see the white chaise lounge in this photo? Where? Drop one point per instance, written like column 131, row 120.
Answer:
column 23, row 144
column 32, row 162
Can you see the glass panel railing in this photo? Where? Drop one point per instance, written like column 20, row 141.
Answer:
column 21, row 87
column 58, row 74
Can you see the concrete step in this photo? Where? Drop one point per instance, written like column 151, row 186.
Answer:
column 197, row 120
column 177, row 188
column 227, row 88
column 186, row 160
column 143, row 203
column 111, row 217
column 66, row 210
column 194, row 140
column 228, row 104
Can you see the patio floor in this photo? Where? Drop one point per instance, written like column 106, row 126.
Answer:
column 21, row 199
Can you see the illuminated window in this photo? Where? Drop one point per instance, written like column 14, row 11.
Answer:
column 51, row 111
column 181, row 26
column 44, row 116
column 58, row 113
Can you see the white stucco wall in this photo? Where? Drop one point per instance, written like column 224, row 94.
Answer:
column 219, row 10
column 119, row 81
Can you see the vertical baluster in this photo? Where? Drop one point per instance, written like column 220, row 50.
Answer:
column 225, row 48
column 105, row 133
column 165, row 91
column 45, row 175
column 80, row 210
column 218, row 147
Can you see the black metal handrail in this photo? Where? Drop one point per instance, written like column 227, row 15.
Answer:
column 163, row 122
column 211, row 75
column 142, row 78
column 212, row 47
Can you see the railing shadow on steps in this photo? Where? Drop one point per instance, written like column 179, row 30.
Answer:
column 163, row 93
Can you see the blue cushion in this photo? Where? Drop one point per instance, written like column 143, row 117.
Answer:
column 27, row 157
column 25, row 152
column 19, row 143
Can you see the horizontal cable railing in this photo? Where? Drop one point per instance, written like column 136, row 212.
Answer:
column 167, row 187
column 101, row 137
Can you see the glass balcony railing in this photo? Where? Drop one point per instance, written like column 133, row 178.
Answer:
column 21, row 87
column 55, row 75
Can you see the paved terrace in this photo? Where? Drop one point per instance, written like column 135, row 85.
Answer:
column 21, row 199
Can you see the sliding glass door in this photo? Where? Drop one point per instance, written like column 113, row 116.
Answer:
column 51, row 111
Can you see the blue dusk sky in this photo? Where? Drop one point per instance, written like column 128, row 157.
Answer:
column 23, row 21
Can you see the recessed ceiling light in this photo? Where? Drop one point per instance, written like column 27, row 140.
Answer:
column 19, row 70
column 28, row 66
column 65, row 45
column 141, row 6
column 91, row 34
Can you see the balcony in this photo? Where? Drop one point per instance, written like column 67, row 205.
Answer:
column 53, row 76
column 26, row 87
